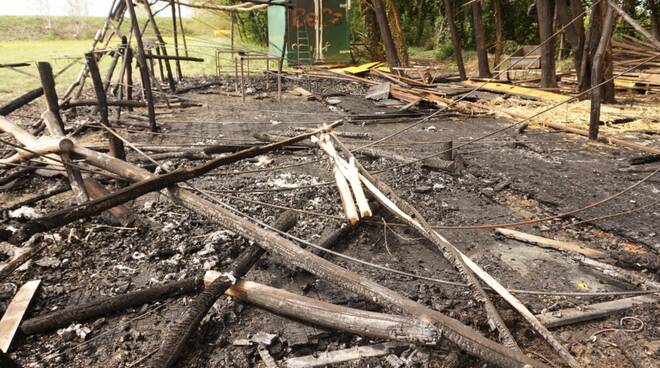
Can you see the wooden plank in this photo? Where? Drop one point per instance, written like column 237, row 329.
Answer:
column 599, row 310
column 518, row 91
column 551, row 243
column 340, row 356
column 15, row 312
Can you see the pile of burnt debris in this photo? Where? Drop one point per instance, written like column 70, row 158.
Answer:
column 332, row 216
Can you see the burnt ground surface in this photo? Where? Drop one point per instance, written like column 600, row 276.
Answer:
column 508, row 177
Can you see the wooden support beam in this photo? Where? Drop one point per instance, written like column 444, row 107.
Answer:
column 55, row 125
column 21, row 101
column 161, row 44
column 633, row 23
column 142, row 65
column 177, row 58
column 115, row 145
column 15, row 312
column 551, row 243
column 175, row 36
column 570, row 316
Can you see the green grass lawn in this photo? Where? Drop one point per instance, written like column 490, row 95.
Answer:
column 62, row 52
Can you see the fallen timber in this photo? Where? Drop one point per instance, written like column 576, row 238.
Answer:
column 400, row 208
column 462, row 336
column 146, row 184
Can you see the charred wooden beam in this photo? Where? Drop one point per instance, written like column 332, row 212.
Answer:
column 21, row 101
column 15, row 65
column 175, row 36
column 161, row 44
column 55, row 125
column 142, row 65
column 177, row 58
column 108, row 305
column 115, row 145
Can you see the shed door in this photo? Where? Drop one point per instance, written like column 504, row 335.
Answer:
column 334, row 42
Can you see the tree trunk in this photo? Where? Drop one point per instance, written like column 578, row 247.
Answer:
column 480, row 40
column 386, row 34
column 397, row 33
column 654, row 8
column 421, row 15
column 545, row 13
column 590, row 45
column 597, row 72
column 455, row 38
column 575, row 31
column 499, row 30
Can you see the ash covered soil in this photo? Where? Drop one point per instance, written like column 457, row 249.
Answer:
column 507, row 178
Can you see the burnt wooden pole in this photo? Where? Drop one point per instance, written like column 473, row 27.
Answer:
column 545, row 11
column 175, row 35
column 480, row 40
column 116, row 146
column 183, row 30
column 386, row 34
column 161, row 44
column 455, row 38
column 142, row 65
column 597, row 72
column 56, row 127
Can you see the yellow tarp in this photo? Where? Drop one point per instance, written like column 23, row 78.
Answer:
column 359, row 69
column 517, row 90
column 624, row 83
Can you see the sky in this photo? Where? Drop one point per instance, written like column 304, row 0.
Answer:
column 59, row 7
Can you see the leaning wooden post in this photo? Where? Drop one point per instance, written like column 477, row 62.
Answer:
column 53, row 121
column 597, row 72
column 142, row 64
column 455, row 38
column 176, row 40
column 386, row 34
column 183, row 30
column 111, row 69
column 161, row 44
column 116, row 146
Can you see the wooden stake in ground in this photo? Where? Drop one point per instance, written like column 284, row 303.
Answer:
column 175, row 36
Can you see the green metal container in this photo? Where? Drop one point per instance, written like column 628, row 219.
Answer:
column 317, row 31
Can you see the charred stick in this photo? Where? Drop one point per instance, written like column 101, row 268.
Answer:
column 108, row 305
column 176, row 338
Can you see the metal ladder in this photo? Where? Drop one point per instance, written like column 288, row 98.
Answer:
column 304, row 54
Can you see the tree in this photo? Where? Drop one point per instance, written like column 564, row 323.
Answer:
column 545, row 14
column 480, row 40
